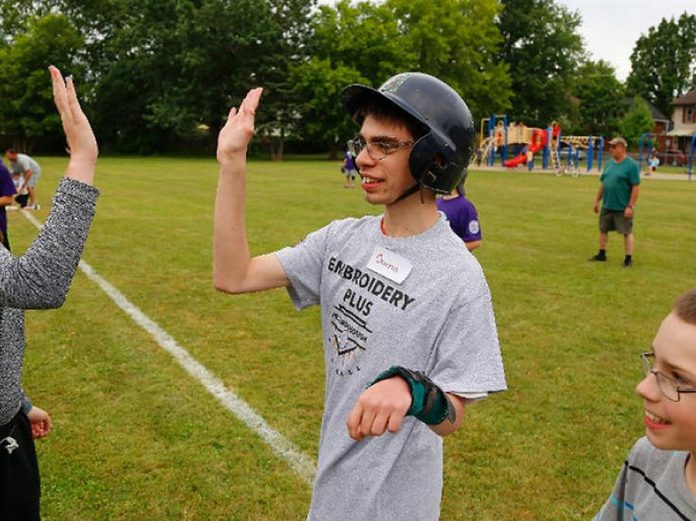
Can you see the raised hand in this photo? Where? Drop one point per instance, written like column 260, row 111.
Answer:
column 239, row 128
column 78, row 132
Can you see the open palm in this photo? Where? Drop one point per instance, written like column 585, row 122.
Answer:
column 239, row 128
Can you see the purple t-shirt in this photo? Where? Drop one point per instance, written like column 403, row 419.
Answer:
column 349, row 161
column 462, row 216
column 7, row 187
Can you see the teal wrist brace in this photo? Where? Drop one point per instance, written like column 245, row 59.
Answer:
column 429, row 403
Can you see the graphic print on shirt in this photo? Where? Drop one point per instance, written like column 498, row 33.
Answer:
column 354, row 302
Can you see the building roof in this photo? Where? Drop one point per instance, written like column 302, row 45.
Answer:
column 687, row 99
column 654, row 112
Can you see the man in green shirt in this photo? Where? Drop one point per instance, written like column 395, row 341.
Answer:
column 618, row 191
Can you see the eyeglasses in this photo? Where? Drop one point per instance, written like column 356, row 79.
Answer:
column 378, row 150
column 667, row 385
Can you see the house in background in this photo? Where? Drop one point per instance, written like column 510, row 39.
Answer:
column 661, row 123
column 683, row 123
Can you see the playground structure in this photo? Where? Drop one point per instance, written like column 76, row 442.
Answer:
column 549, row 141
column 647, row 140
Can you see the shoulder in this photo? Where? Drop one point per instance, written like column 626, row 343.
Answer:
column 645, row 459
column 466, row 202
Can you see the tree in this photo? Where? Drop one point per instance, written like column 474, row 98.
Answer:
column 543, row 50
column 636, row 122
column 370, row 42
column 663, row 62
column 28, row 113
column 457, row 41
column 601, row 98
column 349, row 44
column 162, row 70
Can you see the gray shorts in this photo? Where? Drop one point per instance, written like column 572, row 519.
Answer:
column 613, row 220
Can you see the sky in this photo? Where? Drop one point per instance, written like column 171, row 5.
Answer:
column 610, row 28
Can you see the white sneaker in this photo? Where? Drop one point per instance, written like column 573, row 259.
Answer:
column 33, row 207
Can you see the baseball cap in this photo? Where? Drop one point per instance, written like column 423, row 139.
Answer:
column 618, row 141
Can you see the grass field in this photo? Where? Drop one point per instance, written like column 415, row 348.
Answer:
column 136, row 438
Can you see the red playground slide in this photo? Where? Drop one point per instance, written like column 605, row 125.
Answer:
column 538, row 142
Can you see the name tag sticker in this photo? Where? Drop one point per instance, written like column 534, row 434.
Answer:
column 389, row 264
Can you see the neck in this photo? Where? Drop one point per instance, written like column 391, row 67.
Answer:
column 690, row 472
column 409, row 216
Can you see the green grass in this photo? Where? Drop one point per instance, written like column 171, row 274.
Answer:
column 136, row 438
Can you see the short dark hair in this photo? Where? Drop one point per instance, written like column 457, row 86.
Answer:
column 386, row 111
column 685, row 307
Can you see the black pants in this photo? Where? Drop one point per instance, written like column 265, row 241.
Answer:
column 22, row 200
column 20, row 488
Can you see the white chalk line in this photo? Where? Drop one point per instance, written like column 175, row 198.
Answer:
column 302, row 464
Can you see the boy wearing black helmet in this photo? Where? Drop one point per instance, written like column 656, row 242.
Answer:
column 407, row 321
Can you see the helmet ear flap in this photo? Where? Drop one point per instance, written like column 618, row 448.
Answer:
column 433, row 164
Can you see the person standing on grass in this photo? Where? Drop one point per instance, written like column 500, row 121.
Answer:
column 618, row 193
column 40, row 279
column 658, row 479
column 30, row 170
column 407, row 344
column 349, row 166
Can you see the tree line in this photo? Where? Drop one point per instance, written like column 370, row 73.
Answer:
column 160, row 75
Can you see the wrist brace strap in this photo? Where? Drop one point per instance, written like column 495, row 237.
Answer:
column 429, row 403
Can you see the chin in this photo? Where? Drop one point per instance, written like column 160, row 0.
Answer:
column 663, row 443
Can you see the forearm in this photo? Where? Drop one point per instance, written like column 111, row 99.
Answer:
column 6, row 200
column 446, row 427
column 634, row 196
column 600, row 193
column 231, row 257
column 81, row 167
column 472, row 245
column 41, row 277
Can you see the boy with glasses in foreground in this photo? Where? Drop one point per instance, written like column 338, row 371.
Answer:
column 658, row 480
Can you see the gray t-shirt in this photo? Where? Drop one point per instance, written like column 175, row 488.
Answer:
column 651, row 486
column 24, row 163
column 421, row 302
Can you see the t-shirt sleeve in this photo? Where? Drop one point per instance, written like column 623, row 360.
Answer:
column 468, row 359
column 303, row 266
column 472, row 227
column 635, row 174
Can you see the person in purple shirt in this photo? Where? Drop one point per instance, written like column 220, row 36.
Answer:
column 349, row 168
column 7, row 191
column 462, row 216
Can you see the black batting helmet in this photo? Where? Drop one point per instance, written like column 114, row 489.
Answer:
column 439, row 159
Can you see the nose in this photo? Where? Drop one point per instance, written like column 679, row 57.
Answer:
column 364, row 159
column 647, row 388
